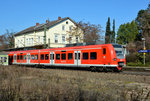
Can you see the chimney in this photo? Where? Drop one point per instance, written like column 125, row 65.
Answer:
column 47, row 21
column 37, row 24
column 59, row 18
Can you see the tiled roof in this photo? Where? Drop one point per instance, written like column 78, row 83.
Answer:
column 41, row 26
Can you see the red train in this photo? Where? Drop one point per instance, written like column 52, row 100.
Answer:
column 95, row 57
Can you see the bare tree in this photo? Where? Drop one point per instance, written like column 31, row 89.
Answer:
column 89, row 33
column 7, row 40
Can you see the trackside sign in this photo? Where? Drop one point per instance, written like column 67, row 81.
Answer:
column 143, row 51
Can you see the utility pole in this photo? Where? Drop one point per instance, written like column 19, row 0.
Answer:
column 45, row 36
column 143, row 39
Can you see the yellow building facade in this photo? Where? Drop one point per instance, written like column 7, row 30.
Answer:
column 56, row 34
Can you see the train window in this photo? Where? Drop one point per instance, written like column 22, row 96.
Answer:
column 36, row 57
column 85, row 56
column 14, row 57
column 70, row 56
column 2, row 59
column 42, row 56
column 52, row 56
column 17, row 57
column 104, row 50
column 78, row 55
column 46, row 56
column 5, row 59
column 32, row 57
column 93, row 55
column 21, row 57
column 63, row 56
column 57, row 56
column 24, row 57
column 75, row 55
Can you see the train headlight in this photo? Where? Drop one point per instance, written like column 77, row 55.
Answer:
column 114, row 59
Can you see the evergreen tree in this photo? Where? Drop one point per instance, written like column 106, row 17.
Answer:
column 113, row 33
column 127, row 32
column 108, row 32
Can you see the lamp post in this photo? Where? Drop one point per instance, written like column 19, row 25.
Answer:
column 143, row 39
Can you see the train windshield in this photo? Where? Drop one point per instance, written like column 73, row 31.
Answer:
column 119, row 51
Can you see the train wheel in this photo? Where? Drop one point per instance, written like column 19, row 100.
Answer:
column 93, row 69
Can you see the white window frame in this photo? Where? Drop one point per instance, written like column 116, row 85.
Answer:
column 18, row 43
column 77, row 39
column 70, row 28
column 63, row 38
column 70, row 39
column 63, row 27
column 56, row 38
column 27, row 41
column 31, row 41
column 39, row 39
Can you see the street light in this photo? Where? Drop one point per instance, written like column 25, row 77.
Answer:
column 143, row 39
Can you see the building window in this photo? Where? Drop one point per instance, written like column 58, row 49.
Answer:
column 18, row 43
column 93, row 55
column 26, row 41
column 70, row 39
column 63, row 56
column 70, row 56
column 63, row 27
column 21, row 43
column 85, row 56
column 63, row 39
column 57, row 56
column 38, row 39
column 70, row 28
column 56, row 38
column 31, row 41
column 43, row 39
column 77, row 39
column 66, row 22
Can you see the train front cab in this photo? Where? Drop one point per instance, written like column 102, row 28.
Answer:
column 120, row 56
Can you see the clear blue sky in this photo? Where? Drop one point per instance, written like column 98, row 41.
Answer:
column 16, row 15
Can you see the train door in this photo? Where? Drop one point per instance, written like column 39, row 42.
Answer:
column 15, row 58
column 52, row 61
column 28, row 58
column 105, row 55
column 10, row 60
column 77, row 58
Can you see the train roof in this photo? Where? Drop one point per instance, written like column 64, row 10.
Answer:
column 63, row 48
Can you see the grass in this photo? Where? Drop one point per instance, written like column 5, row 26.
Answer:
column 33, row 84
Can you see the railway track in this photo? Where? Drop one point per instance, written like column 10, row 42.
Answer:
column 139, row 73
column 136, row 73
